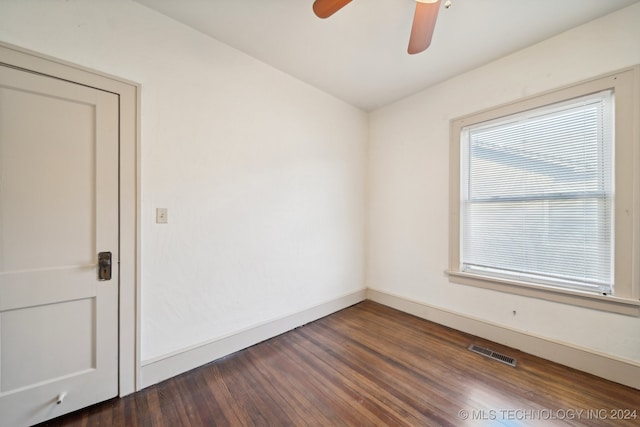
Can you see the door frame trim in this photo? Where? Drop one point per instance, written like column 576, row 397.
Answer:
column 129, row 194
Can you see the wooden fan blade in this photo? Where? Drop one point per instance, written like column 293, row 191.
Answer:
column 424, row 22
column 326, row 8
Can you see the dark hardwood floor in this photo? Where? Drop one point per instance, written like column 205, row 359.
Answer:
column 370, row 365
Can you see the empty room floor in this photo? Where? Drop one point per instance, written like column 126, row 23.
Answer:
column 371, row 365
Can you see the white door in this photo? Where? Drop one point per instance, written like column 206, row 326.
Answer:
column 58, row 210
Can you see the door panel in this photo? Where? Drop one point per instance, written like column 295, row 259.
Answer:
column 55, row 193
column 74, row 327
column 58, row 210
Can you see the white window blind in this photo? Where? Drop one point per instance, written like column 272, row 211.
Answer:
column 537, row 195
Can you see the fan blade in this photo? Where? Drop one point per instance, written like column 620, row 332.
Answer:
column 326, row 8
column 424, row 22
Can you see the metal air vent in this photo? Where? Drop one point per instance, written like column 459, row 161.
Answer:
column 493, row 355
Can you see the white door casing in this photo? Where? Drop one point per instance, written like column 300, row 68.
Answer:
column 58, row 209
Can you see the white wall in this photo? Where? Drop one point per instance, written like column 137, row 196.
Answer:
column 408, row 185
column 263, row 175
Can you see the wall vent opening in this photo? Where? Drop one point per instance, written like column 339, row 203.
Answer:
column 493, row 355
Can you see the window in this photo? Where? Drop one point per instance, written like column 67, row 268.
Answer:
column 542, row 196
column 537, row 195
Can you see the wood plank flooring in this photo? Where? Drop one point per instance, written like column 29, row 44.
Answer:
column 370, row 365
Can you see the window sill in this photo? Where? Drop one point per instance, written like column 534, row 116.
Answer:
column 608, row 303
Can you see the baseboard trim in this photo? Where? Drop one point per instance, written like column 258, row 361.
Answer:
column 626, row 372
column 162, row 368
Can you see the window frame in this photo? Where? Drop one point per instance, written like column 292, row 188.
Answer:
column 625, row 298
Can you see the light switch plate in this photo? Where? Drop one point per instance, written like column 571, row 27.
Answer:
column 162, row 216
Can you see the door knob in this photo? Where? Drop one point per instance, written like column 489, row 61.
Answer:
column 104, row 266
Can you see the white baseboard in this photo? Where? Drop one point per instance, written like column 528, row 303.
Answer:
column 619, row 370
column 159, row 369
column 622, row 371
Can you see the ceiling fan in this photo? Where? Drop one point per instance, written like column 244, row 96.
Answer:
column 424, row 19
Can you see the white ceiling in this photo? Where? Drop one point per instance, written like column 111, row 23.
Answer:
column 360, row 53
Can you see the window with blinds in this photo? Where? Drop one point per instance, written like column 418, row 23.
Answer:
column 537, row 195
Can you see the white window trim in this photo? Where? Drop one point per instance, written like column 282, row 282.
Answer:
column 626, row 297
